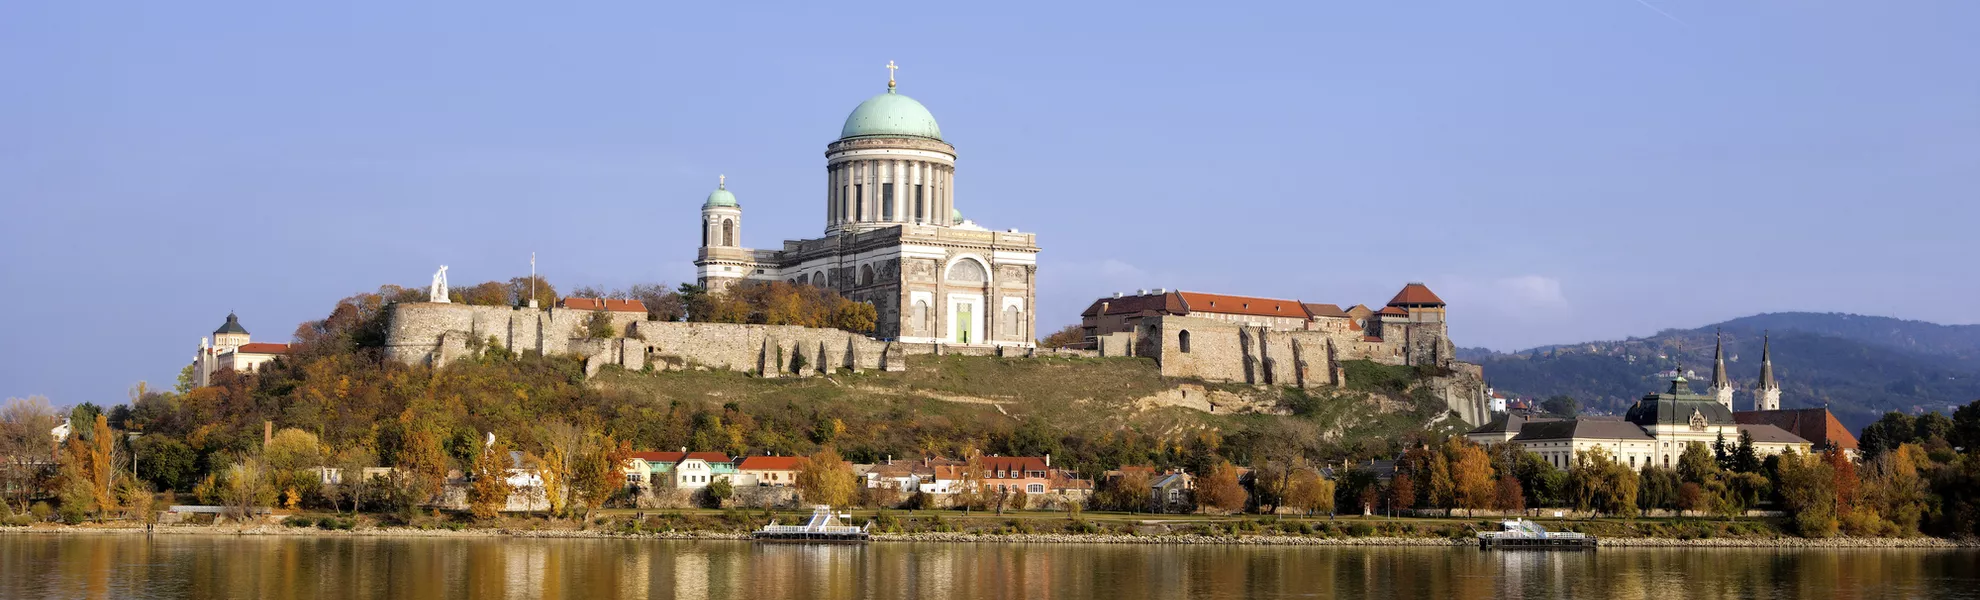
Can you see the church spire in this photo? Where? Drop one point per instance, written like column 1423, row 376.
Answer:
column 1719, row 379
column 1767, row 365
column 1722, row 387
column 1768, row 396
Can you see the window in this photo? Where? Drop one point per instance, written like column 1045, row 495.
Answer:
column 728, row 232
column 859, row 202
column 918, row 211
column 704, row 236
column 886, row 202
column 1182, row 340
column 1036, row 488
column 845, row 203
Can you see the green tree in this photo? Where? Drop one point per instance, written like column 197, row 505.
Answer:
column 1658, row 488
column 719, row 491
column 1744, row 458
column 1696, row 464
column 598, row 326
column 1807, row 490
column 1561, row 406
column 1893, row 430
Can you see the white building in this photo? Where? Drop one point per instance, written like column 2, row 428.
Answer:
column 231, row 349
column 893, row 237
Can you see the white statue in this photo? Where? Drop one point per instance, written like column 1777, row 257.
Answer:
column 439, row 291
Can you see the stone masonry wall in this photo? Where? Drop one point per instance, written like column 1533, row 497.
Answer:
column 434, row 334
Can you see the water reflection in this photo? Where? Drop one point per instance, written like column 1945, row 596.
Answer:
column 176, row 566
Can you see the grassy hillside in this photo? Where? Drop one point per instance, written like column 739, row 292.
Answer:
column 1091, row 412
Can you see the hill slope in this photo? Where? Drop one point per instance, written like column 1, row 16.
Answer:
column 1860, row 366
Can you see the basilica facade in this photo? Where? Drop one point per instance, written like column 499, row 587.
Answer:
column 893, row 237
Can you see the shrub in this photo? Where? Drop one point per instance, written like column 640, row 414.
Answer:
column 299, row 521
column 40, row 511
column 1361, row 530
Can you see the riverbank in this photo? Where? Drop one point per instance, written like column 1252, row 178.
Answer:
column 978, row 538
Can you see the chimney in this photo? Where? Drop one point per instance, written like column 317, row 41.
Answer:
column 1141, row 292
column 1117, row 295
column 1104, row 305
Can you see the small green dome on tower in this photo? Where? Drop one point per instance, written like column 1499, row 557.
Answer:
column 891, row 115
column 955, row 215
column 721, row 195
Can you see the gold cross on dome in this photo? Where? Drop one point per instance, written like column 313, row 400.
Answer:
column 722, row 182
column 890, row 72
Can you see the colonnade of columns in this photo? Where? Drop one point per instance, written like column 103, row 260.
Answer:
column 856, row 192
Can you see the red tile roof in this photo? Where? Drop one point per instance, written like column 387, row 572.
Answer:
column 610, row 304
column 1371, row 338
column 1168, row 303
column 674, row 457
column 262, row 348
column 769, row 463
column 1326, row 310
column 993, row 464
column 1817, row 425
column 1417, row 294
column 1243, row 305
column 1392, row 310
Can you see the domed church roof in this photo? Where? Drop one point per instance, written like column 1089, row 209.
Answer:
column 721, row 195
column 233, row 325
column 890, row 115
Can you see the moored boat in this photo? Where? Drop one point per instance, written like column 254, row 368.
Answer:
column 1521, row 534
column 823, row 527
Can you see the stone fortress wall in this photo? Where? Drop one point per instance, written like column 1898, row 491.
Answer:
column 425, row 333
column 1219, row 350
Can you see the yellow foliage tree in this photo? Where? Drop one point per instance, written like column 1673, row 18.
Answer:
column 824, row 478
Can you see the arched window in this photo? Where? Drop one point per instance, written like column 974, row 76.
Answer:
column 1010, row 322
column 1182, row 339
column 922, row 323
column 728, row 232
column 818, row 278
column 968, row 271
column 704, row 234
column 866, row 274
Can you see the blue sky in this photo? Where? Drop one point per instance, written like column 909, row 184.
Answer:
column 1559, row 170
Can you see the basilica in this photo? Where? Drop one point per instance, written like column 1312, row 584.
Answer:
column 893, row 237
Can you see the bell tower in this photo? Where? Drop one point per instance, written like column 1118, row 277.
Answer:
column 722, row 259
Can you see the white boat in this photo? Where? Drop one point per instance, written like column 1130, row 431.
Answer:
column 1524, row 534
column 824, row 526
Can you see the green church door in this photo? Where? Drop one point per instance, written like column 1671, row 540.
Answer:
column 963, row 321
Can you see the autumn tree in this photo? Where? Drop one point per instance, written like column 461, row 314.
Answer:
column 1600, row 483
column 600, row 471
column 1402, row 492
column 522, row 288
column 89, row 470
column 247, row 486
column 1471, row 475
column 1508, row 495
column 489, row 493
column 1127, row 491
column 824, row 478
column 1220, row 490
column 1845, row 483
column 1308, row 492
column 1064, row 337
column 293, row 455
column 26, row 449
column 489, row 293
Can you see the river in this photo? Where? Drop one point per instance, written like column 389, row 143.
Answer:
column 278, row 567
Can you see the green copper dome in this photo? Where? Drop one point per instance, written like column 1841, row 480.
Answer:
column 891, row 115
column 955, row 215
column 720, row 197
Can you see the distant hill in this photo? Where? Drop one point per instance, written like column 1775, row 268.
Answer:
column 1860, row 366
